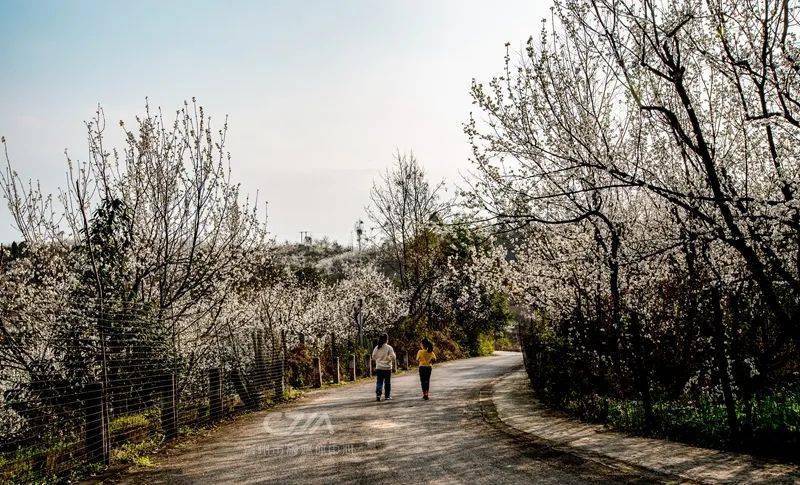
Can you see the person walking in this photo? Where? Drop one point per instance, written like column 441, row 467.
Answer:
column 384, row 356
column 425, row 357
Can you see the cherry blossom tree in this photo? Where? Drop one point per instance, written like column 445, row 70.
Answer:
column 152, row 239
column 642, row 157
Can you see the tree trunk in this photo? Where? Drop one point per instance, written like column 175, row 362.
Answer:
column 720, row 355
column 249, row 399
column 641, row 374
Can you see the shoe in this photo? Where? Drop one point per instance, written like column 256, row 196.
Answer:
column 378, row 398
column 387, row 398
column 425, row 397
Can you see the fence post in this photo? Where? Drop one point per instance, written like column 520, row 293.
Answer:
column 337, row 378
column 353, row 368
column 254, row 337
column 317, row 372
column 96, row 424
column 279, row 379
column 258, row 358
column 262, row 379
column 369, row 365
column 405, row 360
column 214, row 394
column 262, row 357
column 169, row 414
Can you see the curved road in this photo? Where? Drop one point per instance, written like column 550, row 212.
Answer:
column 342, row 435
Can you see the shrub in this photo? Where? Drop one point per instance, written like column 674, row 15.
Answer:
column 485, row 344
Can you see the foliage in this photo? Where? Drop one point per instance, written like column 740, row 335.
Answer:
column 640, row 159
column 123, row 423
column 485, row 345
column 135, row 453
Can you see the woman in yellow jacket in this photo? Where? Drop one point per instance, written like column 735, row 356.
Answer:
column 425, row 357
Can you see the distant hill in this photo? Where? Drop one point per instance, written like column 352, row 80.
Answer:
column 324, row 256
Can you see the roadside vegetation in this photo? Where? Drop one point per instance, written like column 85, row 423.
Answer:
column 642, row 159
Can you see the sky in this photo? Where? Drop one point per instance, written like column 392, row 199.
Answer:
column 319, row 95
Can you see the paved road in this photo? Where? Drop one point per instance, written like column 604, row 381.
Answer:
column 445, row 440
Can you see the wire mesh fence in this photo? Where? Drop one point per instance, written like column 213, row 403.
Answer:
column 78, row 386
column 85, row 383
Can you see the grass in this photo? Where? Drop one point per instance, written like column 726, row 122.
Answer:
column 775, row 421
column 290, row 393
column 136, row 453
column 21, row 467
column 123, row 423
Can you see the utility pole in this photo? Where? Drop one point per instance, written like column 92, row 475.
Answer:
column 359, row 232
column 358, row 314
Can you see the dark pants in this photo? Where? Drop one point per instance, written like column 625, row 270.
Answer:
column 425, row 377
column 384, row 376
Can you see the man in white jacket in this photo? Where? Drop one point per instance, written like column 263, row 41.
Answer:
column 384, row 356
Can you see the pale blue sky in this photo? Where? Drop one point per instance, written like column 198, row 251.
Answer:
column 319, row 94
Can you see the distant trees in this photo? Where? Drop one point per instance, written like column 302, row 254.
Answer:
column 406, row 209
column 645, row 152
column 436, row 260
